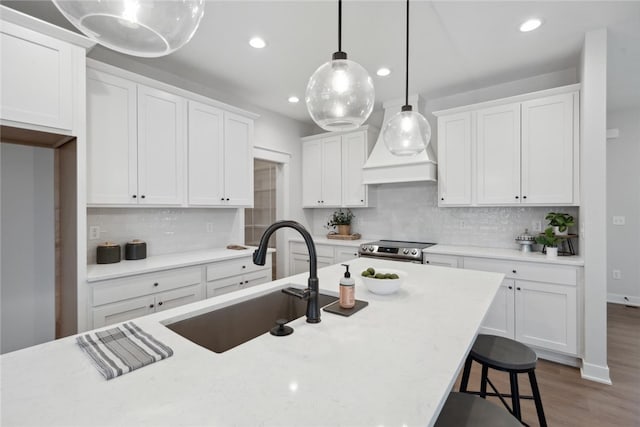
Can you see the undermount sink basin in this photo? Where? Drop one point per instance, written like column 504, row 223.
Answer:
column 228, row 327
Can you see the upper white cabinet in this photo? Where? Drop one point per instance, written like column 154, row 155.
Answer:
column 151, row 144
column 332, row 169
column 136, row 143
column 220, row 157
column 36, row 78
column 454, row 159
column 515, row 151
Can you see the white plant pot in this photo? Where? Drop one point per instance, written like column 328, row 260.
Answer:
column 557, row 232
column 552, row 252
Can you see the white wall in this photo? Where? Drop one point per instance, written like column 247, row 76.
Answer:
column 27, row 289
column 593, row 215
column 623, row 199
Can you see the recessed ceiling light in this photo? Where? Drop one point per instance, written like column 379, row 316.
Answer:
column 257, row 42
column 383, row 72
column 294, row 99
column 530, row 25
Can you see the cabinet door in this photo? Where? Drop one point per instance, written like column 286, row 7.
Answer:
column 311, row 173
column 441, row 260
column 223, row 286
column 112, row 152
column 36, row 78
column 178, row 297
column 498, row 155
column 255, row 278
column 206, row 139
column 238, row 160
column 161, row 147
column 500, row 319
column 454, row 160
column 345, row 253
column 123, row 311
column 354, row 154
column 331, row 171
column 298, row 264
column 546, row 316
column 547, row 150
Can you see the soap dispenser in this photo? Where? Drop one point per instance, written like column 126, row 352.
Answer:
column 347, row 290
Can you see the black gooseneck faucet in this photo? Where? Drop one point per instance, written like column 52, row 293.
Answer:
column 311, row 293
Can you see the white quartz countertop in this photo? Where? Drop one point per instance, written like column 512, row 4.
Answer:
column 500, row 253
column 97, row 272
column 323, row 240
column 393, row 363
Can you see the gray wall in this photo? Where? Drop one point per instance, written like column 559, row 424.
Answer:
column 623, row 199
column 27, row 290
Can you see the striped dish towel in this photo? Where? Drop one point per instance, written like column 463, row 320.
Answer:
column 123, row 349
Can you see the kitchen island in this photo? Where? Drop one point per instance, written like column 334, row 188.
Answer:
column 393, row 363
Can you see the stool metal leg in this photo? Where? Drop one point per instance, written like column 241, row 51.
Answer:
column 465, row 375
column 515, row 396
column 537, row 399
column 483, row 381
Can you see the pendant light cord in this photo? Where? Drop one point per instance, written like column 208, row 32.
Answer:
column 406, row 92
column 339, row 25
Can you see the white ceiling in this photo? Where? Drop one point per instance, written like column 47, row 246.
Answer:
column 455, row 46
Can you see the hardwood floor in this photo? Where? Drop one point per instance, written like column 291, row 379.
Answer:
column 571, row 401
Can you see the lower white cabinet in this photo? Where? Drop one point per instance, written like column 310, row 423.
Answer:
column 536, row 305
column 229, row 276
column 326, row 255
column 126, row 298
column 441, row 260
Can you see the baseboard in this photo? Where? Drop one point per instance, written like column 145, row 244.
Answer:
column 597, row 373
column 558, row 357
column 623, row 299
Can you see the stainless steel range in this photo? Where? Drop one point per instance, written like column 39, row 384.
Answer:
column 395, row 250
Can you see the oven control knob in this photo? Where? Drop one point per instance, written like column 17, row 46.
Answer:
column 370, row 248
column 414, row 252
column 405, row 251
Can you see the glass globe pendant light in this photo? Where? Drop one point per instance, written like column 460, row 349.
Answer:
column 407, row 133
column 147, row 28
column 340, row 93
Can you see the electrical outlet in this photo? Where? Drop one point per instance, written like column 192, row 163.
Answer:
column 461, row 224
column 619, row 220
column 537, row 226
column 617, row 274
column 209, row 227
column 94, row 232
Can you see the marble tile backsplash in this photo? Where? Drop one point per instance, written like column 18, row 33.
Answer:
column 166, row 230
column 409, row 211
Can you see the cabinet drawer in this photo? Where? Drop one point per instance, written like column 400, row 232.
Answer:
column 145, row 284
column 442, row 260
column 548, row 273
column 234, row 267
column 321, row 250
column 123, row 311
column 346, row 254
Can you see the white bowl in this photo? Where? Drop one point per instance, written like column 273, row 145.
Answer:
column 384, row 286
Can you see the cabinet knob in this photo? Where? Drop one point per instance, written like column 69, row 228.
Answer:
column 361, row 200
column 222, row 199
column 514, row 271
column 143, row 196
column 244, row 266
column 160, row 303
column 524, row 197
column 134, row 196
column 227, row 199
column 427, row 262
column 510, row 287
column 155, row 284
column 517, row 197
column 442, row 198
column 151, row 306
column 518, row 288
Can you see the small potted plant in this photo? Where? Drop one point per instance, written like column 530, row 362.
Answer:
column 560, row 222
column 342, row 220
column 549, row 241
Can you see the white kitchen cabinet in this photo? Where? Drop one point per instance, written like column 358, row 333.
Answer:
column 229, row 276
column 332, row 169
column 326, row 255
column 36, row 79
column 126, row 298
column 498, row 155
column 136, row 143
column 536, row 305
column 220, row 157
column 454, row 160
column 514, row 151
column 441, row 260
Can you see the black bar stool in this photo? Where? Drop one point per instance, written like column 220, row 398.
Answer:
column 504, row 354
column 466, row 410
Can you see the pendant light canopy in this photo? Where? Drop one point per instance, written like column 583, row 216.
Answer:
column 147, row 28
column 340, row 93
column 407, row 133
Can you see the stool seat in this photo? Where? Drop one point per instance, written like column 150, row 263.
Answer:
column 503, row 353
column 467, row 410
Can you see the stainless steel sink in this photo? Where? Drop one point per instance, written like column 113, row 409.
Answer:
column 228, row 327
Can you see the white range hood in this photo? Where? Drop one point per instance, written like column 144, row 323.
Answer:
column 383, row 167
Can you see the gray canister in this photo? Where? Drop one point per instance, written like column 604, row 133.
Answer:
column 135, row 249
column 108, row 253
